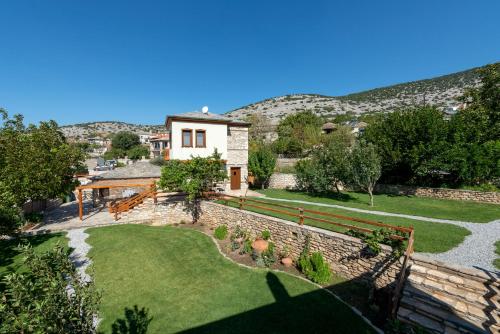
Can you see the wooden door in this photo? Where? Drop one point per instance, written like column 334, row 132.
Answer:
column 235, row 178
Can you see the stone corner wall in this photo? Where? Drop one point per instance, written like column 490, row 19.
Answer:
column 282, row 181
column 442, row 193
column 445, row 298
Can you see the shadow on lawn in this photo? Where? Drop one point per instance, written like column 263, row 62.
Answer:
column 136, row 321
column 342, row 196
column 307, row 313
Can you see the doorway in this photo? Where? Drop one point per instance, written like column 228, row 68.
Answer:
column 235, row 178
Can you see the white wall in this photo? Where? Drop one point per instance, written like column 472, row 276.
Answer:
column 216, row 137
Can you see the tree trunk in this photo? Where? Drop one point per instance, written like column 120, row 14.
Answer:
column 370, row 192
column 337, row 187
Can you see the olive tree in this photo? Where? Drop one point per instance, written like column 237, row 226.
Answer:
column 365, row 167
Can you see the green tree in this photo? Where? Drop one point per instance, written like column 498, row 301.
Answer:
column 137, row 152
column 194, row 176
column 299, row 132
column 365, row 167
column 261, row 164
column 114, row 153
column 125, row 140
column 37, row 300
column 411, row 144
column 36, row 162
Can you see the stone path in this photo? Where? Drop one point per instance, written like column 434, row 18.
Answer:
column 477, row 250
column 80, row 250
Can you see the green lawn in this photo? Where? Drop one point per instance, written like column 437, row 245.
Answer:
column 429, row 237
column 10, row 258
column 412, row 205
column 188, row 286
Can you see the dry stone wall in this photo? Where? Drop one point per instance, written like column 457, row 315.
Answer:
column 282, row 181
column 442, row 193
column 449, row 299
column 346, row 255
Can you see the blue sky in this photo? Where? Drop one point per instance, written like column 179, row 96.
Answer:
column 137, row 61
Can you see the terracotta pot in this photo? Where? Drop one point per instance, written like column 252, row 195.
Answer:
column 260, row 245
column 287, row 262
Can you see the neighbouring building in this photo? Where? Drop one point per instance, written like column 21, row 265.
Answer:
column 144, row 138
column 200, row 133
column 158, row 143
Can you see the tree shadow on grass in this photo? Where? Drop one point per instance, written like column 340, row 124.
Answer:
column 135, row 321
column 342, row 196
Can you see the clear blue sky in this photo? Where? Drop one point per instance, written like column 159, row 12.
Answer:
column 136, row 61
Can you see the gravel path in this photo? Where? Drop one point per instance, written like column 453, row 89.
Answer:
column 476, row 251
column 380, row 213
column 80, row 250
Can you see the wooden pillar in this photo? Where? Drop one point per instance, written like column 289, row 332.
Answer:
column 80, row 204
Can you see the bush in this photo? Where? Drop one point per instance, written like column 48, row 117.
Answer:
column 221, row 232
column 37, row 300
column 137, row 152
column 314, row 267
column 33, row 217
column 268, row 256
column 266, row 235
column 247, row 247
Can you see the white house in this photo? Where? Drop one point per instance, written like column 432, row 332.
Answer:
column 200, row 133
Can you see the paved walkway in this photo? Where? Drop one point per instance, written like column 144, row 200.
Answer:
column 477, row 250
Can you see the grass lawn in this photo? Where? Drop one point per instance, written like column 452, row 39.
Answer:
column 188, row 286
column 429, row 237
column 411, row 205
column 497, row 260
column 11, row 260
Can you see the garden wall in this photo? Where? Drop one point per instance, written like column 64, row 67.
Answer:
column 443, row 193
column 346, row 255
column 449, row 299
column 282, row 181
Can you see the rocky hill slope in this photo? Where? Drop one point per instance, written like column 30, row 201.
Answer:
column 104, row 129
column 440, row 91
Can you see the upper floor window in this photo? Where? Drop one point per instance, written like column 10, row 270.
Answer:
column 201, row 138
column 187, row 138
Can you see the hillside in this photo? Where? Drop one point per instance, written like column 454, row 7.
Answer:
column 103, row 129
column 440, row 91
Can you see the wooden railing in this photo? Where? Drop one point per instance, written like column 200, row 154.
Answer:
column 401, row 233
column 129, row 203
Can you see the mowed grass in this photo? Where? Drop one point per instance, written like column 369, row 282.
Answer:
column 11, row 260
column 429, row 237
column 411, row 205
column 189, row 287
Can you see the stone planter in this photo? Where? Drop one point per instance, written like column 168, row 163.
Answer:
column 287, row 262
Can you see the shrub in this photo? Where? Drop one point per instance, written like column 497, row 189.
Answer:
column 221, row 232
column 268, row 256
column 33, row 217
column 247, row 247
column 235, row 246
column 381, row 236
column 37, row 300
column 266, row 235
column 314, row 267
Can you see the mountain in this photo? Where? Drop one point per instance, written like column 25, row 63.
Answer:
column 104, row 129
column 441, row 91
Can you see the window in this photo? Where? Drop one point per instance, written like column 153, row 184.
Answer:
column 187, row 138
column 156, row 145
column 201, row 138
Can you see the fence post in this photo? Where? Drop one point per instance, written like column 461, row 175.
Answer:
column 301, row 216
column 241, row 203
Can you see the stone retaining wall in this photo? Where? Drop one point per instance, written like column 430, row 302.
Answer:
column 346, row 255
column 282, row 181
column 443, row 193
column 444, row 298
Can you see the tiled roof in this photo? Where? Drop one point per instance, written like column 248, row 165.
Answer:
column 196, row 115
column 140, row 169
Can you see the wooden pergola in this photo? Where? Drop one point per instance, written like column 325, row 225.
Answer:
column 105, row 186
